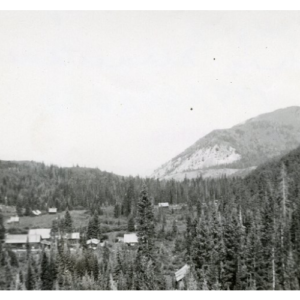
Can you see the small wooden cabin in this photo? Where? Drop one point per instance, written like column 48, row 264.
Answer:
column 163, row 205
column 52, row 210
column 93, row 243
column 19, row 241
column 13, row 220
column 130, row 239
column 179, row 276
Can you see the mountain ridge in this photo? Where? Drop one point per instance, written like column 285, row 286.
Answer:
column 241, row 147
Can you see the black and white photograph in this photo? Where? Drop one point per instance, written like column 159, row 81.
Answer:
column 149, row 150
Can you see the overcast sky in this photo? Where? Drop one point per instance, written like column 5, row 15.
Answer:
column 114, row 90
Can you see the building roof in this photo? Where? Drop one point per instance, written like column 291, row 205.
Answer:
column 21, row 238
column 36, row 212
column 180, row 274
column 16, row 239
column 73, row 236
column 175, row 206
column 163, row 204
column 130, row 238
column 34, row 238
column 13, row 219
column 93, row 241
column 52, row 210
column 43, row 232
column 69, row 236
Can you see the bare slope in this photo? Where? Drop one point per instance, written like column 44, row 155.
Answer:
column 239, row 149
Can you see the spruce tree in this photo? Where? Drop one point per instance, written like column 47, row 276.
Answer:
column 174, row 229
column 121, row 282
column 68, row 222
column 118, row 268
column 129, row 199
column 201, row 249
column 28, row 249
column 93, row 230
column 2, row 228
column 106, row 256
column 95, row 268
column 145, row 225
column 267, row 240
column 54, row 228
column 231, row 241
column 8, row 276
column 30, row 278
column 130, row 226
column 190, row 234
column 117, row 211
column 46, row 280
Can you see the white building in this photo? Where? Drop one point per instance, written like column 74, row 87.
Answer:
column 18, row 241
column 163, row 205
column 36, row 212
column 14, row 219
column 130, row 239
column 44, row 233
column 180, row 274
column 93, row 243
column 52, row 210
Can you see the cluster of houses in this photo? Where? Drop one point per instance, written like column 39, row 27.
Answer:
column 41, row 238
column 37, row 239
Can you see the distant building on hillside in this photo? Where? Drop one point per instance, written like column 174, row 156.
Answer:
column 180, row 274
column 36, row 212
column 12, row 220
column 130, row 239
column 52, row 210
column 176, row 207
column 44, row 233
column 18, row 241
column 163, row 206
column 92, row 243
column 73, row 238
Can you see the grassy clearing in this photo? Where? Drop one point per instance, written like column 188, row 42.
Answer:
column 80, row 219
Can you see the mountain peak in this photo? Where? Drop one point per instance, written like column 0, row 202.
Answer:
column 239, row 149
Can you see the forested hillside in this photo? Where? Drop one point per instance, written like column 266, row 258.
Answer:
column 30, row 185
column 233, row 233
column 250, row 237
